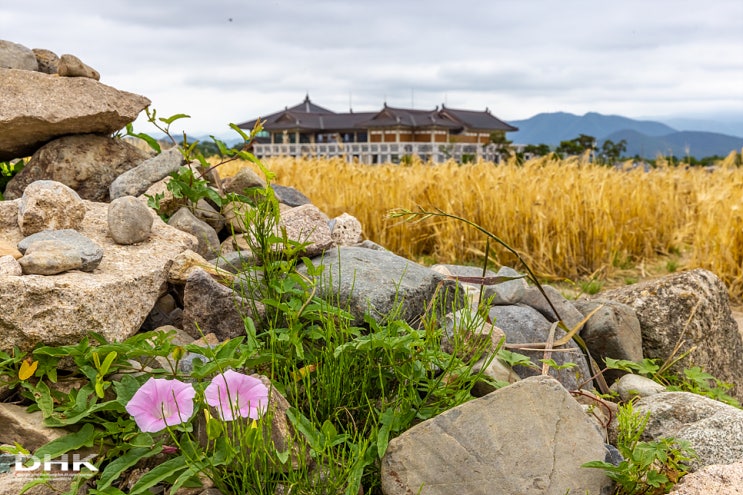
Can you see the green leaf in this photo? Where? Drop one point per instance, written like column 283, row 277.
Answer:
column 648, row 367
column 42, row 396
column 125, row 389
column 152, row 142
column 656, row 479
column 73, row 441
column 554, row 365
column 383, row 435
column 165, row 470
column 122, row 463
column 189, row 475
column 305, row 426
column 106, row 365
column 242, row 133
column 173, row 118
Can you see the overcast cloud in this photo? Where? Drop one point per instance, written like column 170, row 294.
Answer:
column 224, row 61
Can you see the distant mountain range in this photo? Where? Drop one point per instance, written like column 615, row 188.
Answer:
column 644, row 138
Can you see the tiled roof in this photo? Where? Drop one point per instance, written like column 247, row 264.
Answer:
column 477, row 120
column 308, row 116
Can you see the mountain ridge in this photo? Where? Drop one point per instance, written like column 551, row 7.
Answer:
column 645, row 138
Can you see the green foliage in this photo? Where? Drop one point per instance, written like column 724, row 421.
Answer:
column 577, row 146
column 611, row 151
column 648, row 468
column 591, row 287
column 7, row 171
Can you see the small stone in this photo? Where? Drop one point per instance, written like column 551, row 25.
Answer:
column 187, row 262
column 129, row 220
column 49, row 205
column 346, row 230
column 205, row 235
column 290, row 196
column 88, row 251
column 48, row 60
column 50, row 258
column 9, row 266
column 71, row 66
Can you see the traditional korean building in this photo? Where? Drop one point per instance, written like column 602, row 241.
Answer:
column 388, row 135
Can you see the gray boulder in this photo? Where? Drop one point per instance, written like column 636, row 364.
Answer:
column 509, row 292
column 210, row 307
column 17, row 56
column 383, row 284
column 290, row 196
column 691, row 309
column 528, row 438
column 88, row 252
column 613, row 331
column 713, row 428
column 207, row 237
column 534, row 298
column 525, row 325
column 136, row 180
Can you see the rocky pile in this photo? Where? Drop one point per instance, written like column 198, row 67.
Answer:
column 81, row 251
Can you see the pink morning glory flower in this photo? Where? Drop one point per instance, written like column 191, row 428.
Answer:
column 235, row 394
column 160, row 403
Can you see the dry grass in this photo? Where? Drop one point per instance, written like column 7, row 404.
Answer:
column 569, row 219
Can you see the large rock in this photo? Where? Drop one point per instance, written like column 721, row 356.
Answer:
column 717, row 479
column 25, row 428
column 713, row 428
column 137, row 180
column 186, row 221
column 525, row 325
column 383, row 284
column 528, row 438
column 89, row 252
column 613, row 331
column 49, row 205
column 37, row 108
column 113, row 301
column 210, row 307
column 48, row 60
column 16, row 56
column 691, row 309
column 87, row 163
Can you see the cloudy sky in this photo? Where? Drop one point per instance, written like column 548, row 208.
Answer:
column 224, row 61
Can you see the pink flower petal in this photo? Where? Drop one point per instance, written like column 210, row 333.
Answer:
column 160, row 403
column 236, row 394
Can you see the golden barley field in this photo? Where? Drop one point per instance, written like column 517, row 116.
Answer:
column 569, row 219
